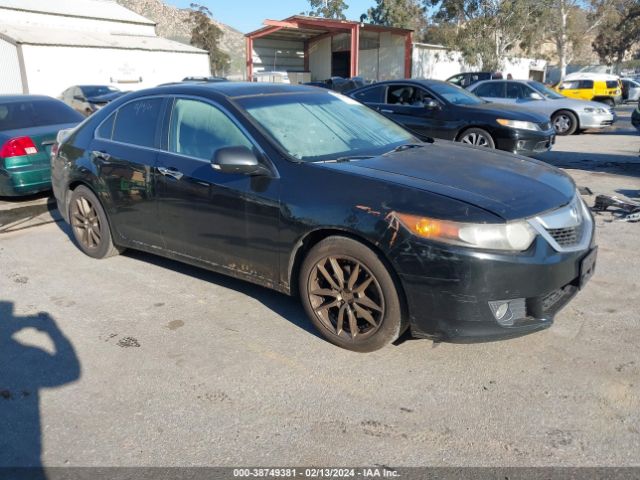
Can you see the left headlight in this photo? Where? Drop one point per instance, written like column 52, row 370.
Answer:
column 513, row 236
column 522, row 125
column 595, row 110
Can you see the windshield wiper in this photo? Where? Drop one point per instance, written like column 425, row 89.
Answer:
column 347, row 158
column 406, row 146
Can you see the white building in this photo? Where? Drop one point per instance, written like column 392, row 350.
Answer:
column 49, row 45
column 437, row 62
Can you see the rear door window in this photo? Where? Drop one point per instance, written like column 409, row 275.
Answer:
column 136, row 122
column 491, row 89
column 585, row 84
column 612, row 84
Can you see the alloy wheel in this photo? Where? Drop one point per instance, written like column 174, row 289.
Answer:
column 86, row 222
column 475, row 138
column 562, row 123
column 346, row 297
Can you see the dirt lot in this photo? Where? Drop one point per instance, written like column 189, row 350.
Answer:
column 165, row 364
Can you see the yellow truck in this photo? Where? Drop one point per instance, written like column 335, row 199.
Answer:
column 597, row 87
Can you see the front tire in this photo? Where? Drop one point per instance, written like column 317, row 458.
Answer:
column 564, row 122
column 477, row 137
column 350, row 295
column 90, row 225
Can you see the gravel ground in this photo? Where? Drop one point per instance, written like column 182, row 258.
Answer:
column 161, row 364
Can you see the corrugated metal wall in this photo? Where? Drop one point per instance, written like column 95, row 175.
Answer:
column 10, row 79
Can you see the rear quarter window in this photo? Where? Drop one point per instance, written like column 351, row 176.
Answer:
column 612, row 84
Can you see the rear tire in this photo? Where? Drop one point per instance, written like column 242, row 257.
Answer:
column 478, row 137
column 564, row 122
column 90, row 225
column 350, row 295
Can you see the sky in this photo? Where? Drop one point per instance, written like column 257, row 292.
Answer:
column 247, row 15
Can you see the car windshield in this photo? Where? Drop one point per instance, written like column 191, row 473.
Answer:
column 545, row 91
column 456, row 95
column 325, row 126
column 36, row 113
column 96, row 90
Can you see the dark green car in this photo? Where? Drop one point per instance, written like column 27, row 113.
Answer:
column 28, row 128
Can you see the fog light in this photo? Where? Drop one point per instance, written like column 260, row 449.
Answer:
column 506, row 312
column 501, row 311
column 521, row 144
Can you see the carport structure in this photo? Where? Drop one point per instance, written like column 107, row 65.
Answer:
column 322, row 48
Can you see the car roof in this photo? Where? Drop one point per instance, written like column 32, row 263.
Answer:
column 232, row 89
column 415, row 81
column 23, row 98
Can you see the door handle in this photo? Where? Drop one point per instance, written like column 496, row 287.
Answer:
column 386, row 111
column 170, row 172
column 100, row 155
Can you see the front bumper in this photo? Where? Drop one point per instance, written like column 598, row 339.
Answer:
column 448, row 289
column 597, row 120
column 526, row 142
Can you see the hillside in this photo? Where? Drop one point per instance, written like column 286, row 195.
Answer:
column 172, row 24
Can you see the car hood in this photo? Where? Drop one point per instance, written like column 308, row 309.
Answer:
column 510, row 186
column 506, row 111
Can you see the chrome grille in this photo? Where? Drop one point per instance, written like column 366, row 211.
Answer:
column 566, row 237
column 567, row 228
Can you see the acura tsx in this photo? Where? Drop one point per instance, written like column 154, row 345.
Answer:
column 311, row 193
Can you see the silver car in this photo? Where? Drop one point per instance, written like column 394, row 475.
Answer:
column 568, row 115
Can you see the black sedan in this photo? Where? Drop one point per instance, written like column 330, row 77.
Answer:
column 431, row 108
column 309, row 192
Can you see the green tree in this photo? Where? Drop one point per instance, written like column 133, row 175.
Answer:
column 619, row 30
column 328, row 9
column 206, row 35
column 567, row 25
column 488, row 31
column 398, row 13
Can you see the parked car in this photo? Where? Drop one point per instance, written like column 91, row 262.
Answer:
column 431, row 108
column 86, row 99
column 28, row 128
column 597, row 87
column 341, row 85
column 635, row 117
column 630, row 90
column 469, row 78
column 205, row 79
column 309, row 192
column 567, row 115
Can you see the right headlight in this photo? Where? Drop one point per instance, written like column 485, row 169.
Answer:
column 513, row 236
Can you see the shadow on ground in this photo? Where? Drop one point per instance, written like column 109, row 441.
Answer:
column 25, row 370
column 628, row 165
column 285, row 306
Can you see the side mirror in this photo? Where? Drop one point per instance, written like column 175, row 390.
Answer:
column 536, row 96
column 431, row 104
column 237, row 160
